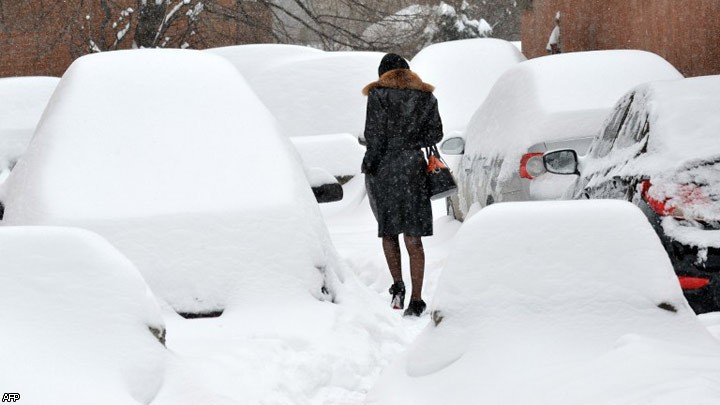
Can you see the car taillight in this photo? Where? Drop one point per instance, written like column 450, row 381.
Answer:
column 687, row 195
column 682, row 201
column 692, row 283
column 531, row 165
column 660, row 207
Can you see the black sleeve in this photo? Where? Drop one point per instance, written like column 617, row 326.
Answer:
column 433, row 124
column 375, row 125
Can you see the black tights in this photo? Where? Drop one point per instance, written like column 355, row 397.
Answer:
column 414, row 246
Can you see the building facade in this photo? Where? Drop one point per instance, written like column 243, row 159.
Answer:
column 683, row 32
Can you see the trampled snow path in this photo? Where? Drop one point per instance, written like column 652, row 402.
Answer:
column 306, row 352
column 311, row 353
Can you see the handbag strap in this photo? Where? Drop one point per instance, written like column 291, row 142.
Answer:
column 433, row 150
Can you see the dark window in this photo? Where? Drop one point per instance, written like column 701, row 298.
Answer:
column 610, row 132
column 633, row 131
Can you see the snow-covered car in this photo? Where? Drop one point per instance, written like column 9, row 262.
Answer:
column 79, row 324
column 660, row 149
column 313, row 94
column 552, row 102
column 329, row 152
column 336, row 154
column 557, row 303
column 184, row 172
column 463, row 72
column 22, row 101
column 251, row 60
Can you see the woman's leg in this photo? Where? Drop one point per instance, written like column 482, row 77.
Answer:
column 417, row 264
column 391, row 247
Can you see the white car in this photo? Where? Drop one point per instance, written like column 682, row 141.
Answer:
column 557, row 303
column 463, row 72
column 22, row 101
column 251, row 60
column 315, row 96
column 552, row 102
column 185, row 172
column 79, row 324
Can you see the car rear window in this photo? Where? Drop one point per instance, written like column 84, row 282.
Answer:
column 634, row 129
column 610, row 132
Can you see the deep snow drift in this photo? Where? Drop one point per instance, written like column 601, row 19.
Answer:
column 319, row 95
column 557, row 303
column 191, row 180
column 22, row 101
column 463, row 72
column 75, row 321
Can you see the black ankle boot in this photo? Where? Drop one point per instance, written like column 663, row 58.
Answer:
column 415, row 308
column 398, row 295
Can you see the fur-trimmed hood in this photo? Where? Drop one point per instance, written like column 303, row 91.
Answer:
column 400, row 79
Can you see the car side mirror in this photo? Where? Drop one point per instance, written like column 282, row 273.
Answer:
column 324, row 186
column 453, row 146
column 564, row 161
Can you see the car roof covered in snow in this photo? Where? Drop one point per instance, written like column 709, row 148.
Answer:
column 181, row 170
column 321, row 94
column 684, row 122
column 463, row 73
column 22, row 101
column 252, row 59
column 558, row 96
column 75, row 309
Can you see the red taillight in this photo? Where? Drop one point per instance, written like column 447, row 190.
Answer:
column 692, row 283
column 658, row 206
column 531, row 165
column 686, row 199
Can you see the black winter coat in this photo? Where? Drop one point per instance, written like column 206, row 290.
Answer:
column 402, row 118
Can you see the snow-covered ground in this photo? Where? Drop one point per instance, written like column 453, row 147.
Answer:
column 279, row 341
column 324, row 353
column 522, row 315
column 336, row 353
column 307, row 353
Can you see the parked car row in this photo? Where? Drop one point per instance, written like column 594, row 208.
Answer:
column 553, row 128
column 542, row 104
column 660, row 149
column 600, row 322
column 180, row 178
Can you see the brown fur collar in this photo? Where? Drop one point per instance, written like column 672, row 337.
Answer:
column 400, row 79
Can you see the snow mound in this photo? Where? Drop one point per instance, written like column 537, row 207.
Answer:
column 597, row 320
column 463, row 72
column 338, row 154
column 22, row 101
column 319, row 95
column 683, row 123
column 558, row 97
column 76, row 318
column 184, row 172
column 253, row 59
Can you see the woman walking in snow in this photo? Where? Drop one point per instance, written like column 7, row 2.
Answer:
column 402, row 118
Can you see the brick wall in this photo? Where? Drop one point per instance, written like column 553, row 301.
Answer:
column 685, row 33
column 34, row 39
column 25, row 54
